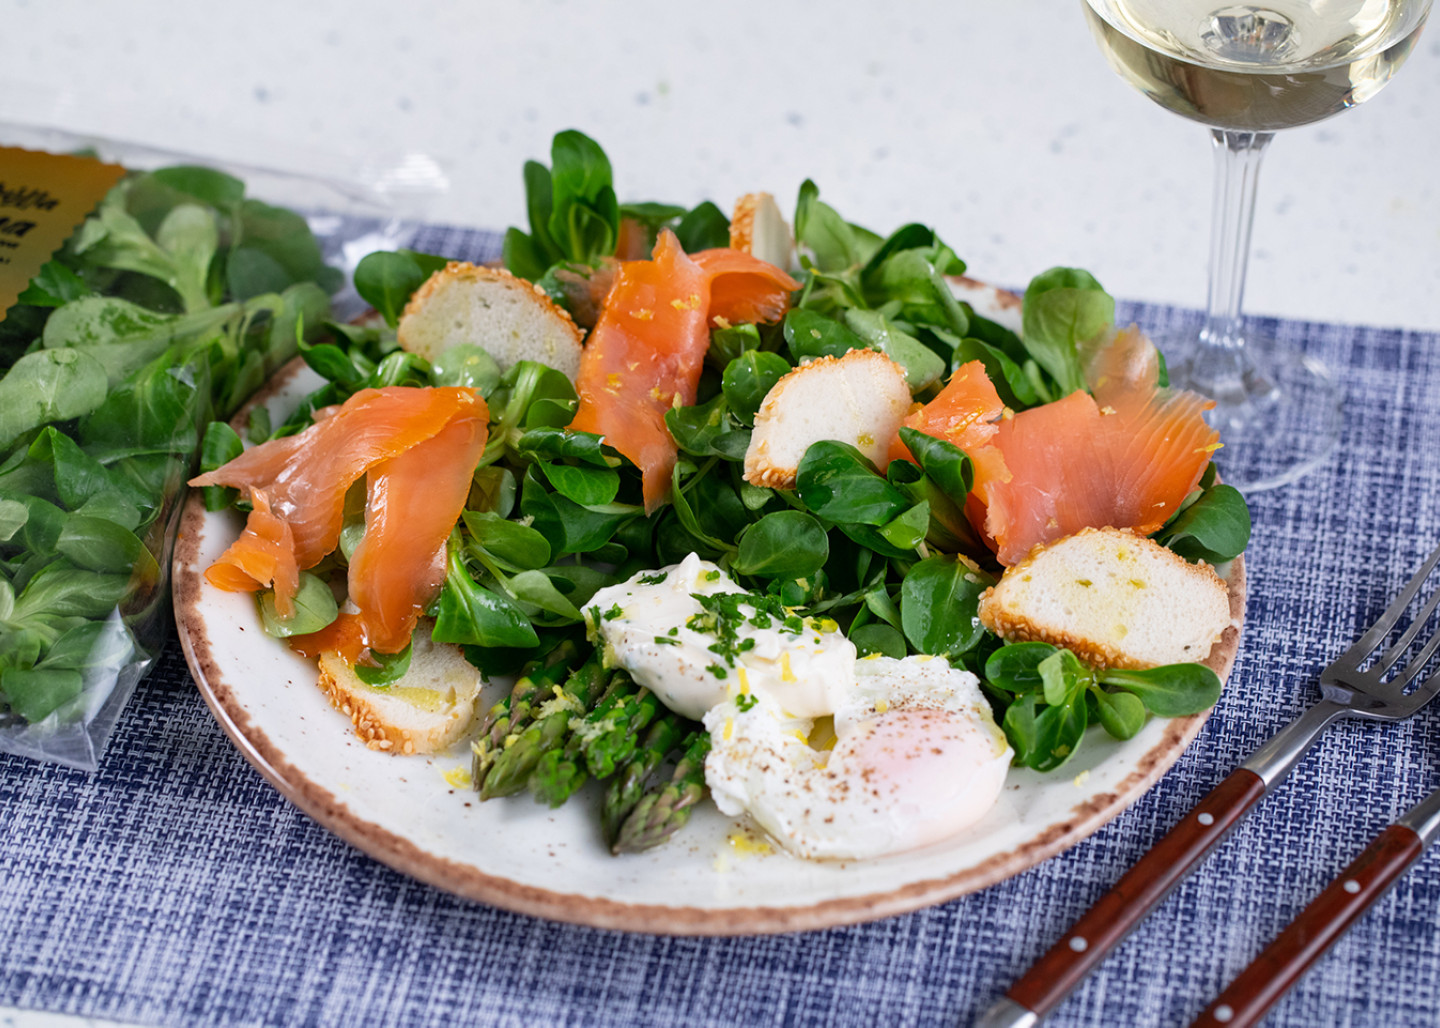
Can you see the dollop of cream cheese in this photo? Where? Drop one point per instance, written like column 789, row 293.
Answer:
column 692, row 636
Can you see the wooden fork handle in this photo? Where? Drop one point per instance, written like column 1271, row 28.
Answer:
column 1138, row 892
column 1319, row 925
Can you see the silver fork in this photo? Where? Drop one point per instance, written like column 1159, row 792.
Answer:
column 1346, row 691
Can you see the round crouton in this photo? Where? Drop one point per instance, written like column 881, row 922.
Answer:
column 1114, row 598
column 426, row 710
column 507, row 316
column 861, row 399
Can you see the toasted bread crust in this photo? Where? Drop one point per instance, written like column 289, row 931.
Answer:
column 832, row 380
column 385, row 721
column 1190, row 602
column 437, row 316
column 742, row 222
column 758, row 228
column 369, row 725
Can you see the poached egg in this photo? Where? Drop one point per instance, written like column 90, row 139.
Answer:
column 693, row 637
column 916, row 754
column 917, row 757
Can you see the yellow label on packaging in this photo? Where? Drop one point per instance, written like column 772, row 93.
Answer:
column 43, row 198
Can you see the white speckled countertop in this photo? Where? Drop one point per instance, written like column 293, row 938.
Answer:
column 998, row 123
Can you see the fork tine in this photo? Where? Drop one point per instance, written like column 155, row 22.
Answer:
column 1376, row 634
column 1417, row 665
column 1394, row 653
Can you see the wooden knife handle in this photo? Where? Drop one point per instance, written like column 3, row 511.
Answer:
column 1319, row 925
column 1138, row 892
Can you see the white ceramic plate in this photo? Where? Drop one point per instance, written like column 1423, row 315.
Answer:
column 712, row 879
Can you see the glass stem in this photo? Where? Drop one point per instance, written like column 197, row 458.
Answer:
column 1237, row 169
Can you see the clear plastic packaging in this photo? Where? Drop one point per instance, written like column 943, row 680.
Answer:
column 90, row 498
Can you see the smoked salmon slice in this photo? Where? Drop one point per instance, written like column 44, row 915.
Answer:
column 412, row 503
column 305, row 476
column 1124, row 457
column 263, row 557
column 745, row 288
column 345, row 636
column 419, row 448
column 643, row 357
column 967, row 414
column 647, row 350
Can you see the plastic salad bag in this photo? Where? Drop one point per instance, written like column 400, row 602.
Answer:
column 189, row 285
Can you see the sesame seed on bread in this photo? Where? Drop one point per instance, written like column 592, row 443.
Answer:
column 424, row 711
column 759, row 229
column 1114, row 598
column 860, row 398
column 510, row 318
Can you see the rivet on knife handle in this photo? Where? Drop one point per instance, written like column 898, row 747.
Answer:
column 1329, row 915
column 1141, row 889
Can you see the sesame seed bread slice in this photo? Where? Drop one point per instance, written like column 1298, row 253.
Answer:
column 429, row 707
column 759, row 229
column 507, row 316
column 1114, row 598
column 860, row 398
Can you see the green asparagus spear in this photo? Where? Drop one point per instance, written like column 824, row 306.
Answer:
column 513, row 764
column 663, row 811
column 611, row 741
column 513, row 713
column 628, row 786
column 561, row 769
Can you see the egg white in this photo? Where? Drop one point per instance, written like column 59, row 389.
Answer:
column 645, row 627
column 917, row 758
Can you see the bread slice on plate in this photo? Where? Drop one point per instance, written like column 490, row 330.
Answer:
column 507, row 316
column 860, row 398
column 1114, row 598
column 427, row 709
column 759, row 229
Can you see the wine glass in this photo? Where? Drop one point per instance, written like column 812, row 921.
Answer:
column 1246, row 71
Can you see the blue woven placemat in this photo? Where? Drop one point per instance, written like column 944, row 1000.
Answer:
column 176, row 887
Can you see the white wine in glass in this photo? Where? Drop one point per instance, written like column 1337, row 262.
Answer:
column 1246, row 71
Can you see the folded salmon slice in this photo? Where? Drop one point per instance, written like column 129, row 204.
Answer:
column 745, row 288
column 1124, row 457
column 419, row 448
column 412, row 503
column 263, row 557
column 647, row 350
column 643, row 357
column 967, row 414
column 306, row 475
column 345, row 636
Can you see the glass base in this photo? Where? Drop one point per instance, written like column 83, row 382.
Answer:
column 1277, row 409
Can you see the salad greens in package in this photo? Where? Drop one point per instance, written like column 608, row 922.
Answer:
column 176, row 298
